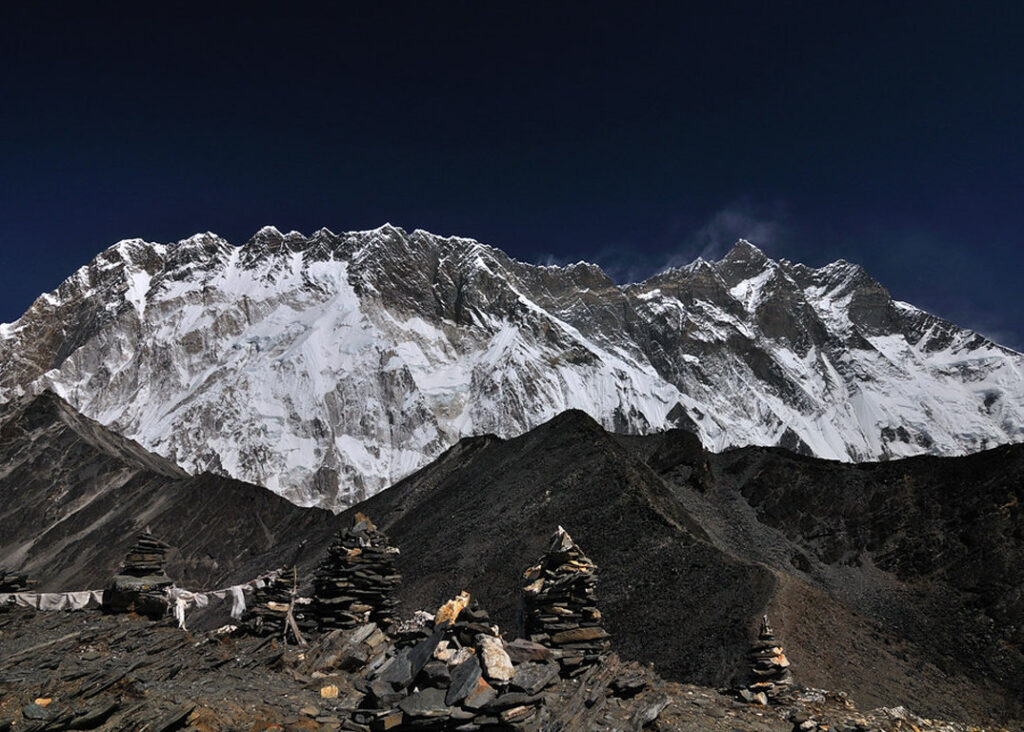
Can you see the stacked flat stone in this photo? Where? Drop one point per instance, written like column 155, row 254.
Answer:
column 560, row 605
column 11, row 581
column 769, row 667
column 355, row 583
column 433, row 680
column 140, row 583
column 268, row 613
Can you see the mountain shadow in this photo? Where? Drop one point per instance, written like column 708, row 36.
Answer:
column 74, row 496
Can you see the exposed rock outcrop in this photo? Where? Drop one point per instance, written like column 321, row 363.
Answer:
column 225, row 358
column 12, row 581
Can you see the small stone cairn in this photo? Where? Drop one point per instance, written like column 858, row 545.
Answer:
column 560, row 605
column 769, row 667
column 272, row 603
column 11, row 581
column 139, row 585
column 355, row 583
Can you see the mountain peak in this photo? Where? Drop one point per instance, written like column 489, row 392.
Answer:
column 328, row 376
column 744, row 261
column 744, row 251
column 267, row 235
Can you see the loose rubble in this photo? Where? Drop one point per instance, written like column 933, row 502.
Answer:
column 355, row 582
column 560, row 605
column 139, row 585
column 122, row 672
column 451, row 670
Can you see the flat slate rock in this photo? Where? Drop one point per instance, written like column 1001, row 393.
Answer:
column 481, row 695
column 464, row 680
column 531, row 678
column 426, row 703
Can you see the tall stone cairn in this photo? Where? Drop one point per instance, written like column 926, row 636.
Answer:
column 769, row 667
column 355, row 583
column 560, row 605
column 140, row 583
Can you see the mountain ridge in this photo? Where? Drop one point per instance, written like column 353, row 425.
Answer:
column 327, row 367
column 74, row 496
column 898, row 582
column 849, row 561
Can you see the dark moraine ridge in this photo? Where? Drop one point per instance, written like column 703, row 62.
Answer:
column 74, row 496
column 484, row 511
column 899, row 582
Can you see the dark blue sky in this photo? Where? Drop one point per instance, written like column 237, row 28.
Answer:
column 636, row 134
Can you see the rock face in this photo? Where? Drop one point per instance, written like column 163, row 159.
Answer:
column 355, row 583
column 560, row 605
column 141, row 581
column 327, row 367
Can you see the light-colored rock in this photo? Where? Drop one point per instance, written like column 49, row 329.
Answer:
column 449, row 612
column 460, row 655
column 497, row 666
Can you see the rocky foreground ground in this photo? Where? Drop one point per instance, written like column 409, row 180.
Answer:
column 88, row 670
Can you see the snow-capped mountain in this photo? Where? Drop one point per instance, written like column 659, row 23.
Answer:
column 326, row 368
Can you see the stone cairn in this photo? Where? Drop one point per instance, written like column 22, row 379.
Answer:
column 453, row 671
column 355, row 583
column 274, row 602
column 560, row 605
column 139, row 585
column 769, row 667
column 11, row 581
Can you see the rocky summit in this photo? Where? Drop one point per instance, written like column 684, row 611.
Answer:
column 327, row 367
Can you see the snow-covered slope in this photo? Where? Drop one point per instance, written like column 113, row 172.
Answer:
column 326, row 368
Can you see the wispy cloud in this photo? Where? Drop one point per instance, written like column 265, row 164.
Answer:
column 762, row 226
column 551, row 260
column 621, row 263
